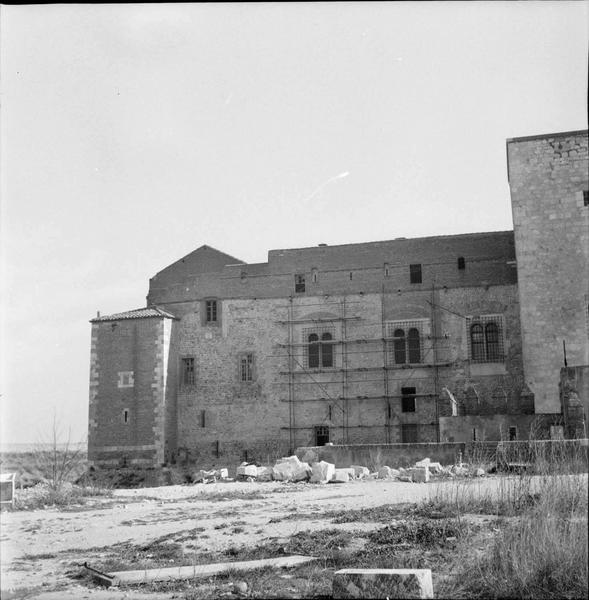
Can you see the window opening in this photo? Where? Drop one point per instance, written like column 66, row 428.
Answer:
column 408, row 399
column 202, row 418
column 477, row 343
column 211, row 311
column 386, row 269
column 188, row 371
column 399, row 346
column 485, row 338
column 461, row 263
column 315, row 275
column 247, row 367
column 126, row 416
column 585, row 197
column 474, row 434
column 492, row 341
column 415, row 273
column 321, row 435
column 313, row 351
column 512, row 433
column 413, row 345
column 299, row 283
column 326, row 350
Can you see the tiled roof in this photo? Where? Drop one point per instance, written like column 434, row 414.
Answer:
column 138, row 313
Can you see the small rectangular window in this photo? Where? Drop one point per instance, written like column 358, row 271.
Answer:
column 246, row 367
column 585, row 197
column 188, row 371
column 408, row 399
column 321, row 435
column 409, row 433
column 512, row 433
column 386, row 269
column 474, row 434
column 126, row 379
column 211, row 311
column 299, row 283
column 415, row 273
column 461, row 263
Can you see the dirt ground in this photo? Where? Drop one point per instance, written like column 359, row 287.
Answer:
column 42, row 550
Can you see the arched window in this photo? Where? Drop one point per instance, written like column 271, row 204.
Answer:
column 413, row 346
column 313, row 351
column 326, row 350
column 477, row 342
column 399, row 346
column 492, row 341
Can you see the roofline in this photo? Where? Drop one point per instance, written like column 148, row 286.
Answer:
column 413, row 239
column 238, row 260
column 107, row 319
column 542, row 136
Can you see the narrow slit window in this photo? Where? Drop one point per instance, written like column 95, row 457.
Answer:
column 126, row 416
column 203, row 418
column 585, row 197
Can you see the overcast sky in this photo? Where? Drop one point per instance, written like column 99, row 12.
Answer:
column 132, row 134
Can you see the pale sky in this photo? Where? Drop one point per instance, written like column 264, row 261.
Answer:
column 132, row 134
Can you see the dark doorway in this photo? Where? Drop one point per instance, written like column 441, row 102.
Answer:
column 321, row 435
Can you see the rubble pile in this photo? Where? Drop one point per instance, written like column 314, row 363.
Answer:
column 292, row 469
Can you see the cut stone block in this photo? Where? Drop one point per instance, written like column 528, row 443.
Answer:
column 264, row 474
column 322, row 472
column 423, row 463
column 341, row 476
column 435, row 467
column 291, row 469
column 223, row 473
column 247, row 471
column 360, row 472
column 385, row 473
column 383, row 583
column 419, row 474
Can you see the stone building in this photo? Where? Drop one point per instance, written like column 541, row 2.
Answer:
column 408, row 340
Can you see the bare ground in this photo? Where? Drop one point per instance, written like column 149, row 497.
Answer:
column 43, row 550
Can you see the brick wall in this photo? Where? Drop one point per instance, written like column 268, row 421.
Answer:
column 547, row 176
column 487, row 257
column 136, row 348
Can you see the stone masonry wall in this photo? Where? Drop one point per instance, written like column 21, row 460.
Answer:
column 221, row 419
column 547, row 177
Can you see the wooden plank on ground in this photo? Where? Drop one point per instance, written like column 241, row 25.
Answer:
column 193, row 571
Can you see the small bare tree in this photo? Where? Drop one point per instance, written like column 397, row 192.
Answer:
column 59, row 461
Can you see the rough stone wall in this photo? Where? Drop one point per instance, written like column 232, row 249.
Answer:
column 488, row 427
column 547, row 177
column 221, row 419
column 574, row 398
column 128, row 346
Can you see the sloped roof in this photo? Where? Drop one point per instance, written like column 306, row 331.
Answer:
column 138, row 313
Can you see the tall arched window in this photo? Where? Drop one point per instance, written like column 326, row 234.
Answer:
column 326, row 350
column 477, row 342
column 413, row 345
column 492, row 341
column 313, row 351
column 399, row 346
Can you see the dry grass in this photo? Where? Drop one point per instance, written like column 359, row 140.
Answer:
column 540, row 554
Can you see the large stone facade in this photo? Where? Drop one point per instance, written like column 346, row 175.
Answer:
column 401, row 341
column 548, row 178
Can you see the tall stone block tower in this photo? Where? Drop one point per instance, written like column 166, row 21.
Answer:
column 548, row 179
